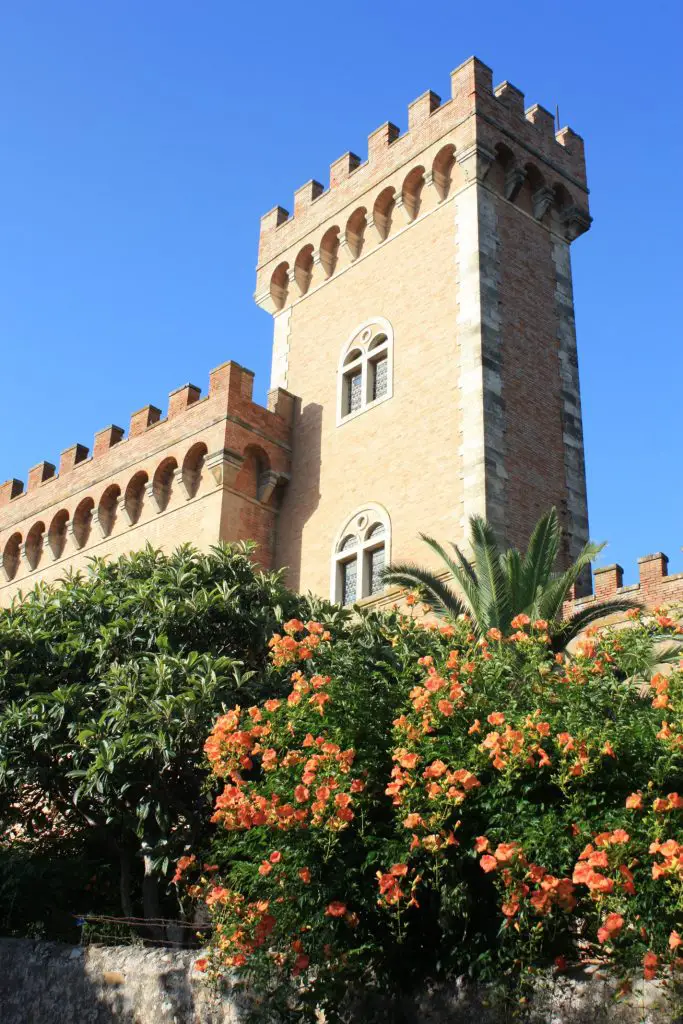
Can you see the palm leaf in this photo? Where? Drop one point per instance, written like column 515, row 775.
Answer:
column 555, row 593
column 462, row 571
column 570, row 628
column 540, row 557
column 442, row 596
column 492, row 580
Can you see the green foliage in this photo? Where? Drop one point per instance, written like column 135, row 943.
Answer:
column 429, row 803
column 495, row 586
column 109, row 683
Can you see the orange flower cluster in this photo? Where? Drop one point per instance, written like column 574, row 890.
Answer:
column 286, row 649
column 660, row 684
column 665, row 621
column 443, row 783
column 181, row 867
column 667, row 734
column 548, row 891
column 597, row 855
column 302, row 687
column 438, row 696
column 671, row 864
column 611, row 926
column 672, row 802
column 389, row 883
column 502, row 746
column 241, row 927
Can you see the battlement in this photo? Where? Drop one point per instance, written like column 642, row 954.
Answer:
column 201, row 448
column 654, row 587
column 230, row 384
column 480, row 115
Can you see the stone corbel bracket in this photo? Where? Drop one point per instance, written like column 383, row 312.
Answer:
column 575, row 222
column 268, row 482
column 224, row 465
column 475, row 161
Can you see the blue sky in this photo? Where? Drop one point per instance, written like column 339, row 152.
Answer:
column 141, row 141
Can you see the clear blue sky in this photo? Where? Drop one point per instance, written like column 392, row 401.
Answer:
column 141, row 141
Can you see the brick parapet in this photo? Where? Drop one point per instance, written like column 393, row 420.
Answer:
column 475, row 109
column 655, row 586
column 238, row 447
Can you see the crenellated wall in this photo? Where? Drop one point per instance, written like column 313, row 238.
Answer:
column 330, row 227
column 655, row 588
column 212, row 469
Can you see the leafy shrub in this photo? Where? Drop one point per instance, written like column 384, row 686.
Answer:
column 425, row 804
column 109, row 682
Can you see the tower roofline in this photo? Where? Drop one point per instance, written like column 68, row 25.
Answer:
column 472, row 96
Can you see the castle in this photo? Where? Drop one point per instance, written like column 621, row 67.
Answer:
column 424, row 369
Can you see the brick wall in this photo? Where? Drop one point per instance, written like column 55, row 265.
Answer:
column 450, row 233
column 213, row 469
column 654, row 587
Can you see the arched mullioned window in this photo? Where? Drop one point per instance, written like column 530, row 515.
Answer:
column 365, row 375
column 361, row 551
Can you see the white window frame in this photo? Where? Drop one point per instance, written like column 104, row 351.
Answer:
column 362, row 339
column 360, row 524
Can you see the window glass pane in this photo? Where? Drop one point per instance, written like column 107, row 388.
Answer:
column 376, row 531
column 376, row 566
column 380, row 378
column 353, row 383
column 349, row 581
column 350, row 541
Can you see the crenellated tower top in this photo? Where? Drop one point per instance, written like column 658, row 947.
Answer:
column 481, row 123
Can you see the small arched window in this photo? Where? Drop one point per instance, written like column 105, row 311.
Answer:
column 365, row 376
column 360, row 553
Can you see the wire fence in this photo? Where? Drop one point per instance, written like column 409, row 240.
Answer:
column 141, row 931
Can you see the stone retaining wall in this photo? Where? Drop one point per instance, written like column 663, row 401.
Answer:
column 49, row 983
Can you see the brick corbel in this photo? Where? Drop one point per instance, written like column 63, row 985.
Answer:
column 475, row 161
column 224, row 466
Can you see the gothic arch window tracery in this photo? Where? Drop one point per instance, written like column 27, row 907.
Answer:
column 361, row 551
column 365, row 374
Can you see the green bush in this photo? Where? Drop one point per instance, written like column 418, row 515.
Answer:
column 425, row 804
column 109, row 682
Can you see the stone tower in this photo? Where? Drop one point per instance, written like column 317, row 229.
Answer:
column 423, row 317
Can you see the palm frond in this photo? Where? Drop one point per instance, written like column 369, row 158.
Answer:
column 462, row 571
column 492, row 581
column 570, row 628
column 540, row 557
column 555, row 593
column 410, row 576
column 512, row 565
